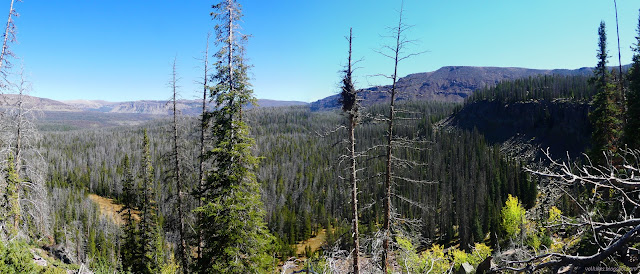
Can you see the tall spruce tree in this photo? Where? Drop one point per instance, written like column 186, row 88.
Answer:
column 12, row 198
column 605, row 116
column 148, row 209
column 130, row 250
column 632, row 126
column 232, row 216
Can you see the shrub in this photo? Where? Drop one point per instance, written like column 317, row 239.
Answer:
column 16, row 258
column 512, row 216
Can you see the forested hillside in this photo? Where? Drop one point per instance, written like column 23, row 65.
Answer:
column 538, row 112
column 300, row 173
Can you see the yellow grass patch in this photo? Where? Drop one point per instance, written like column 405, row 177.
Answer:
column 110, row 209
column 315, row 242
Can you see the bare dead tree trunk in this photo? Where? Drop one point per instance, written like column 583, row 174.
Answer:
column 615, row 4
column 19, row 130
column 389, row 172
column 182, row 250
column 230, row 45
column 203, row 125
column 230, row 7
column 18, row 149
column 8, row 31
column 350, row 90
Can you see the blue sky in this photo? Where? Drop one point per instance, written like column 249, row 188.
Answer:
column 120, row 50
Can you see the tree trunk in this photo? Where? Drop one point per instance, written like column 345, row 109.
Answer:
column 7, row 31
column 389, row 172
column 354, row 185
column 182, row 250
column 203, row 124
column 19, row 132
column 354, row 197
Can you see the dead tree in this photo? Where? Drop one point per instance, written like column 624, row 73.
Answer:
column 29, row 165
column 621, row 77
column 203, row 128
column 395, row 52
column 350, row 105
column 177, row 174
column 20, row 124
column 616, row 185
column 22, row 136
column 9, row 36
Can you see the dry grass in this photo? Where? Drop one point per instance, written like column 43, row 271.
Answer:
column 315, row 242
column 110, row 209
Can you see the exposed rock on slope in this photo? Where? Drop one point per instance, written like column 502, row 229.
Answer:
column 449, row 84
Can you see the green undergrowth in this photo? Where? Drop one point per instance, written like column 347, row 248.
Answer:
column 18, row 257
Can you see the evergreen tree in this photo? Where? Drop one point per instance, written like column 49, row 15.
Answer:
column 605, row 116
column 130, row 249
column 148, row 209
column 12, row 198
column 232, row 216
column 632, row 126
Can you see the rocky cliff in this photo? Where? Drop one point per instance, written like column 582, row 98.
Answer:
column 560, row 125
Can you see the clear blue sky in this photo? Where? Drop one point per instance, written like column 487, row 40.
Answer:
column 120, row 50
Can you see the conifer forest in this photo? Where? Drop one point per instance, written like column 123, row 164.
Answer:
column 535, row 172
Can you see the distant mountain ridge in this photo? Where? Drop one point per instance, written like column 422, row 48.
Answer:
column 155, row 107
column 447, row 84
column 148, row 107
column 31, row 102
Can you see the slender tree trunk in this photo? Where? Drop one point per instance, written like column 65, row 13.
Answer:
column 7, row 32
column 230, row 45
column 354, row 185
column 182, row 250
column 389, row 172
column 19, row 132
column 230, row 61
column 18, row 153
column 615, row 4
column 18, row 158
column 203, row 124
column 354, row 198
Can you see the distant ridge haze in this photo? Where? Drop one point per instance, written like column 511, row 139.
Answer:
column 155, row 107
column 150, row 107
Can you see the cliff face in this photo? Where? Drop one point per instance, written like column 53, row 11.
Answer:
column 561, row 126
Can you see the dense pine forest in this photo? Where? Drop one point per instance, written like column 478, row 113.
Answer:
column 301, row 190
column 406, row 186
